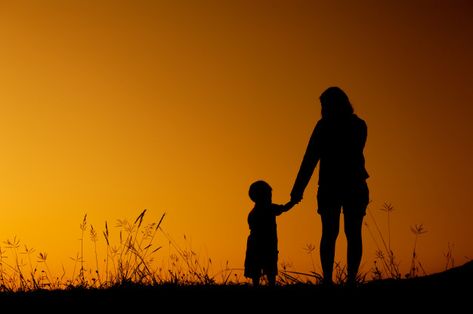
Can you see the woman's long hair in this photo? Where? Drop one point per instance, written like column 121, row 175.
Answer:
column 335, row 104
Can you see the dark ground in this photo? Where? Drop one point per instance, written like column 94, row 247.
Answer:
column 446, row 291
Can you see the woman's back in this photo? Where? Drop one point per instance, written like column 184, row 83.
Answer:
column 340, row 144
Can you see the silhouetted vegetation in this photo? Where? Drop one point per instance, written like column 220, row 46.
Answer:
column 131, row 274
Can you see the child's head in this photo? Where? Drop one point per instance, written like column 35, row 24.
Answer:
column 260, row 192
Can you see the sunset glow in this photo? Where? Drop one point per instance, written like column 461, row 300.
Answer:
column 113, row 107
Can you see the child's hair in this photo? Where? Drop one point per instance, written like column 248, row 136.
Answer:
column 258, row 190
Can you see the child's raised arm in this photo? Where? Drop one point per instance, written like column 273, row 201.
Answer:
column 289, row 205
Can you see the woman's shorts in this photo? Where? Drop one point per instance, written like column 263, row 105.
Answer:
column 353, row 198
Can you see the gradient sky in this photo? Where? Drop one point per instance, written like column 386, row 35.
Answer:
column 111, row 107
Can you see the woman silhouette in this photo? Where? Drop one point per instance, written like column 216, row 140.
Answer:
column 337, row 142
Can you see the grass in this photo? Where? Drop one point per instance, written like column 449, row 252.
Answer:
column 131, row 261
column 386, row 265
column 131, row 280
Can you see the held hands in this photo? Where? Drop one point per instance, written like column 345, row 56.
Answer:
column 289, row 205
column 296, row 199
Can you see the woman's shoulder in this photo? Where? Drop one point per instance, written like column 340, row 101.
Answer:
column 358, row 121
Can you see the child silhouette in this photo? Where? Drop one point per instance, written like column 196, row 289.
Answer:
column 262, row 244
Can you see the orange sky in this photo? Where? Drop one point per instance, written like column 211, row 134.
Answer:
column 111, row 107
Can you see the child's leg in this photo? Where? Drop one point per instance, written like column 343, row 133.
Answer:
column 271, row 280
column 255, row 281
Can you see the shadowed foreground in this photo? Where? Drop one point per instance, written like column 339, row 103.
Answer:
column 450, row 290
